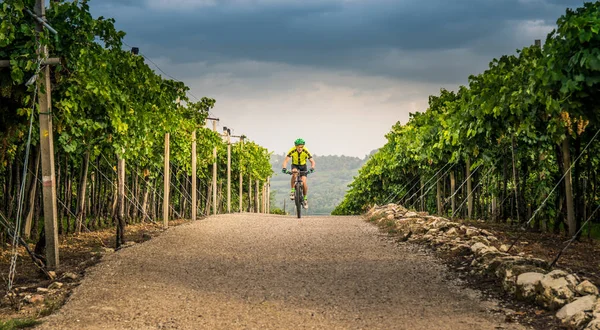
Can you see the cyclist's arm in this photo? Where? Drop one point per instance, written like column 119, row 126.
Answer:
column 310, row 158
column 285, row 161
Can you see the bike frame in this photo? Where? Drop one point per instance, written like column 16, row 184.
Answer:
column 299, row 191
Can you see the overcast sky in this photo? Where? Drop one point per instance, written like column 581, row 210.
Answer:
column 338, row 73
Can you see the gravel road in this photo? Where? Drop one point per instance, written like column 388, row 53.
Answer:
column 256, row 271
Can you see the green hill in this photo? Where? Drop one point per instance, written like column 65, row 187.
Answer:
column 326, row 186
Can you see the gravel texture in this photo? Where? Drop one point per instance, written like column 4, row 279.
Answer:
column 256, row 271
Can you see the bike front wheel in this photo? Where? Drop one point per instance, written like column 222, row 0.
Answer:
column 299, row 199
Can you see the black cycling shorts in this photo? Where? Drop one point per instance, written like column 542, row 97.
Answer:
column 300, row 168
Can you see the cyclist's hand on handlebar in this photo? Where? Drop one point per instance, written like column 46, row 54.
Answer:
column 284, row 170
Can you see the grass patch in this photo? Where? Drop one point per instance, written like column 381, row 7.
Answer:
column 390, row 227
column 593, row 230
column 52, row 305
column 18, row 324
column 392, row 231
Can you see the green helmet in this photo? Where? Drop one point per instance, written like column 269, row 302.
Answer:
column 299, row 142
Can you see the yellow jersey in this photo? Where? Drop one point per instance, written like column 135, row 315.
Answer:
column 299, row 158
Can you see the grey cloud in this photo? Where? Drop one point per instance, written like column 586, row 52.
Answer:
column 332, row 34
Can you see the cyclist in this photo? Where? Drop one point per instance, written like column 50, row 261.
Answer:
column 299, row 154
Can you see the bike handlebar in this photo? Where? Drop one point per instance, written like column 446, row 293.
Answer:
column 300, row 172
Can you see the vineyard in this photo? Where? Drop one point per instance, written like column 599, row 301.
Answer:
column 95, row 144
column 519, row 144
column 111, row 113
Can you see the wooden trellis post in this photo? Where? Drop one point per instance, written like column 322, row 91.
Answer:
column 46, row 141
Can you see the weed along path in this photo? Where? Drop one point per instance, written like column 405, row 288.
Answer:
column 256, row 271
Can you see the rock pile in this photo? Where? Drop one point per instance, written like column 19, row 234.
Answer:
column 576, row 301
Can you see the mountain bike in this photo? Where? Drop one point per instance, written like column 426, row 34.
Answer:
column 299, row 191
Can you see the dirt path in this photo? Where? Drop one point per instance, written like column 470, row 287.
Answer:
column 248, row 271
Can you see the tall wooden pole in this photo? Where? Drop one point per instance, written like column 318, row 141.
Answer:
column 214, row 178
column 167, row 181
column 422, row 195
column 469, row 190
column 263, row 203
column 194, row 197
column 257, row 197
column 439, row 196
column 250, row 200
column 47, row 145
column 452, row 190
column 228, row 171
column 120, row 239
column 268, row 195
column 571, row 221
column 241, row 176
column 515, row 179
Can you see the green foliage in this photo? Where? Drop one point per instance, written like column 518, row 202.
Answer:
column 106, row 101
column 572, row 77
column 104, row 98
column 526, row 103
column 278, row 211
column 18, row 324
